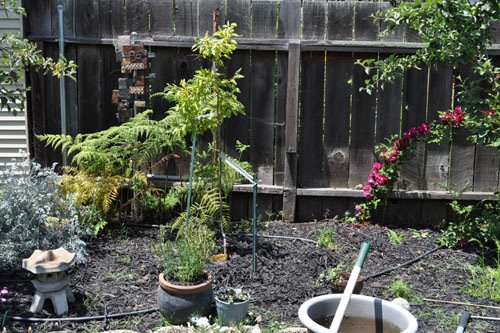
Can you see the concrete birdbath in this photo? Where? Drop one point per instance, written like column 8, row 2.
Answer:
column 51, row 280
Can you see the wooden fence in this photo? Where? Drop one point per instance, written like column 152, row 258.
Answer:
column 312, row 132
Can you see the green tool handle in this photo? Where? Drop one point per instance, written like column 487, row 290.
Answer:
column 360, row 260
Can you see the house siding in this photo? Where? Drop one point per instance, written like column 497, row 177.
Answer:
column 13, row 128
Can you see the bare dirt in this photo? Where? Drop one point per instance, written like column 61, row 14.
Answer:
column 120, row 277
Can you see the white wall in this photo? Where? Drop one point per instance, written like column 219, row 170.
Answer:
column 13, row 132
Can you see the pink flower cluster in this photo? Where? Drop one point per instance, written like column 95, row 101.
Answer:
column 453, row 118
column 4, row 293
column 402, row 143
column 491, row 112
column 376, row 178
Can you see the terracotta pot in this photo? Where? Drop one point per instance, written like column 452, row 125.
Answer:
column 180, row 302
column 338, row 287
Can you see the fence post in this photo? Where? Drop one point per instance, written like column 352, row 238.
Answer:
column 291, row 118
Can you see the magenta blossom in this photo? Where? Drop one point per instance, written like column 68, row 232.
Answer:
column 453, row 118
column 3, row 293
column 377, row 166
column 367, row 192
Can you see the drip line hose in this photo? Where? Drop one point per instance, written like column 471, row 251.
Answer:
column 287, row 237
column 406, row 263
column 89, row 318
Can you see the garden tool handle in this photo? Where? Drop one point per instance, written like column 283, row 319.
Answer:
column 464, row 318
column 351, row 283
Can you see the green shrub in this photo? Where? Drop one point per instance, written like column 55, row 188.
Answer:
column 485, row 279
column 34, row 215
column 473, row 223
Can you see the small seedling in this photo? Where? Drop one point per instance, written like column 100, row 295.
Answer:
column 394, row 237
column 419, row 233
column 401, row 289
column 327, row 237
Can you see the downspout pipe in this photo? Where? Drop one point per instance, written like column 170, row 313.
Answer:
column 62, row 86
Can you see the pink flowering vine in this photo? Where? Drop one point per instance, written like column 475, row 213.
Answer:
column 453, row 118
column 383, row 175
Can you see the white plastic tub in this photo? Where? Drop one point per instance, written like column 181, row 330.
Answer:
column 318, row 308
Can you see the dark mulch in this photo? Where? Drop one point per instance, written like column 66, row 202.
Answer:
column 121, row 276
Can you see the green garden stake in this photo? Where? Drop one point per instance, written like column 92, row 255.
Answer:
column 351, row 283
column 190, row 185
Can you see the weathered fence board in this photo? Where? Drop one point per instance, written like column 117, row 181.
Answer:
column 362, row 129
column 388, row 114
column 280, row 116
column 310, row 165
column 263, row 22
column 289, row 12
column 313, row 12
column 364, row 29
column 90, row 100
column 261, row 114
column 413, row 114
column 439, row 98
column 340, row 20
column 161, row 17
column 311, row 130
column 337, row 118
column 239, row 11
column 486, row 169
column 112, row 25
column 86, row 25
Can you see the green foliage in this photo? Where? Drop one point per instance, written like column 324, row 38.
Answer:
column 204, row 101
column 205, row 208
column 36, row 215
column 394, row 237
column 333, row 274
column 478, row 223
column 209, row 171
column 201, row 104
column 17, row 55
column 327, row 236
column 454, row 33
column 232, row 295
column 115, row 159
column 485, row 279
column 119, row 150
column 186, row 259
column 399, row 288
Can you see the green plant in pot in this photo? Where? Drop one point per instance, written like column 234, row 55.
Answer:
column 336, row 278
column 185, row 286
column 232, row 305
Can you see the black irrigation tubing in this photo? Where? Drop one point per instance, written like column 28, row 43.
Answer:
column 287, row 237
column 406, row 263
column 98, row 317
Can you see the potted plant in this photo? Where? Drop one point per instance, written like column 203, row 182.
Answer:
column 232, row 305
column 337, row 276
column 185, row 286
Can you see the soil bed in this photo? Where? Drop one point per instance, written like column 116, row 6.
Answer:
column 121, row 276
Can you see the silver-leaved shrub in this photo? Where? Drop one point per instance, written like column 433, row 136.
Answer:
column 34, row 215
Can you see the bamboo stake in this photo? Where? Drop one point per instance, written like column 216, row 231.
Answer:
column 462, row 303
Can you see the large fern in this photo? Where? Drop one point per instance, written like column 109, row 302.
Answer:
column 205, row 209
column 106, row 162
column 119, row 149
